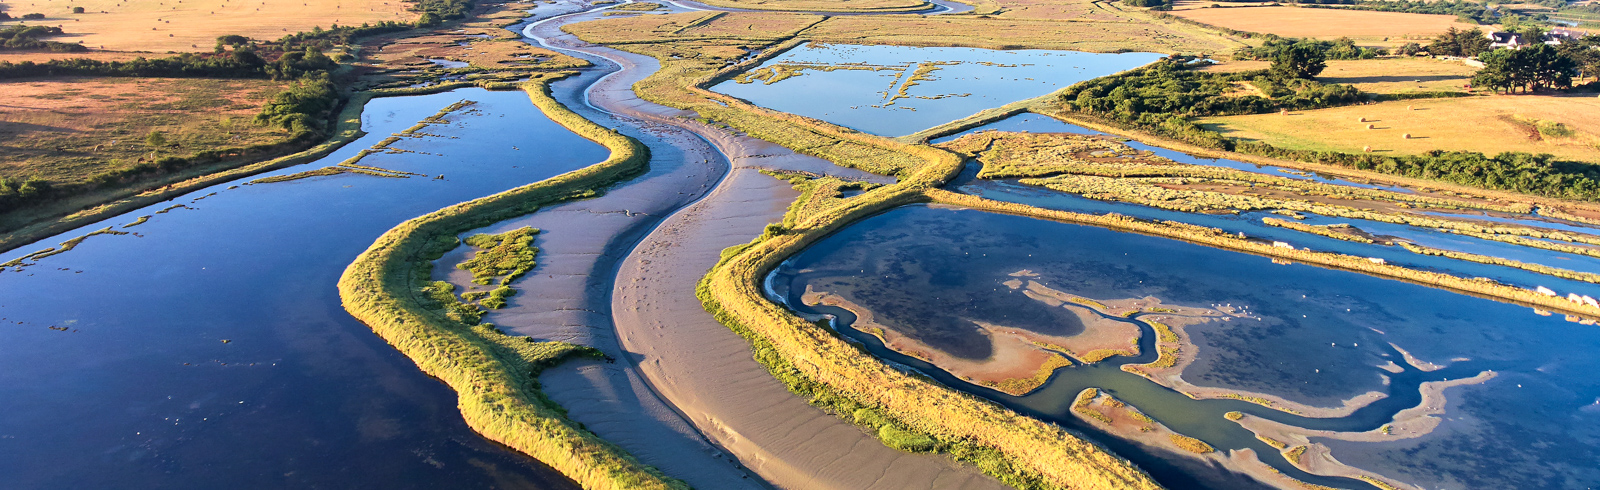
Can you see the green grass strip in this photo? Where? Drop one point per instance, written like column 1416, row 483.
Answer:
column 495, row 375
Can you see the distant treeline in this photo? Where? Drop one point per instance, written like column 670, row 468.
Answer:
column 1527, row 173
column 1464, row 10
column 1342, row 49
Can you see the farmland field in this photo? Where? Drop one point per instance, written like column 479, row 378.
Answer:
column 824, row 5
column 1366, row 27
column 1488, row 124
column 65, row 130
column 1382, row 75
column 194, row 26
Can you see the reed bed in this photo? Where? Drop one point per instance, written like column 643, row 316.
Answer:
column 495, row 375
column 1339, row 231
column 1492, row 260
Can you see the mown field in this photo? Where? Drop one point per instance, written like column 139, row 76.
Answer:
column 1003, row 33
column 1487, row 124
column 1382, row 75
column 1364, row 26
column 65, row 130
column 159, row 27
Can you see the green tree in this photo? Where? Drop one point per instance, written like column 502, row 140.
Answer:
column 1456, row 42
column 1532, row 68
column 155, row 139
column 303, row 108
column 428, row 19
column 1298, row 61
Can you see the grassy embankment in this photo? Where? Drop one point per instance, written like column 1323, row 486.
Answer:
column 906, row 411
column 495, row 375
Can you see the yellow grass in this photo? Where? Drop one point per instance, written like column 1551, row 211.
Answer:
column 1079, row 10
column 1133, row 34
column 1382, row 75
column 68, row 129
column 488, row 54
column 692, row 26
column 824, row 5
column 1488, row 124
column 1362, row 25
column 193, row 25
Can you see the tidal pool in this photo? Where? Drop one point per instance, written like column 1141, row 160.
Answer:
column 898, row 90
column 1317, row 336
column 208, row 347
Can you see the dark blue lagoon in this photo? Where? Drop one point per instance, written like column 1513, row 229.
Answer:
column 207, row 348
column 899, row 90
column 1309, row 336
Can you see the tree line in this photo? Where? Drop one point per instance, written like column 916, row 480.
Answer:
column 1342, row 49
column 23, row 37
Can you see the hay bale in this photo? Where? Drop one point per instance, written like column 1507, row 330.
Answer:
column 1366, row 149
column 1369, row 126
column 1363, row 119
column 1405, row 136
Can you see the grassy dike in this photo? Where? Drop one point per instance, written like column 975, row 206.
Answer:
column 495, row 375
column 907, row 411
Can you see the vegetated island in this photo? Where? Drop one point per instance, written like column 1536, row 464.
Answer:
column 494, row 374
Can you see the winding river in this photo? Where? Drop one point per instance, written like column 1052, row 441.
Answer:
column 207, row 347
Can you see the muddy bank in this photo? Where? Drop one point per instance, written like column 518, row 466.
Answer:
column 684, row 390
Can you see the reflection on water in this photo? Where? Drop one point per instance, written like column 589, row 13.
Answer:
column 208, row 349
column 1320, row 338
column 877, row 89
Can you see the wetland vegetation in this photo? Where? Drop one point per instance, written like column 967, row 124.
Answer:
column 1037, row 355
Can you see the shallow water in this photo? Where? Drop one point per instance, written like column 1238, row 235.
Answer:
column 210, row 350
column 967, row 80
column 444, row 63
column 1321, row 335
column 1251, row 225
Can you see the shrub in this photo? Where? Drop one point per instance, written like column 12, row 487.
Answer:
column 895, row 437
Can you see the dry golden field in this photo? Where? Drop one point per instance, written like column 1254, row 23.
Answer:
column 67, row 129
column 1001, row 33
column 693, row 26
column 1366, row 27
column 160, row 26
column 824, row 5
column 1382, row 75
column 1490, row 124
column 1078, row 10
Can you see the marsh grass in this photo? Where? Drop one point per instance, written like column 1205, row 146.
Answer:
column 493, row 374
column 1338, row 231
column 64, row 247
column 505, row 256
column 1190, row 444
